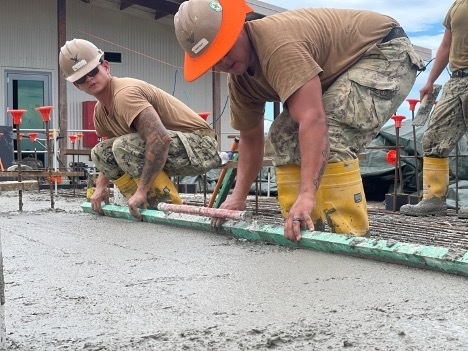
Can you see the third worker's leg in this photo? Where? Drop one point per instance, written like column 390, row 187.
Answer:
column 447, row 124
column 435, row 187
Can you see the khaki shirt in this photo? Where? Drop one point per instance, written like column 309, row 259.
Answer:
column 130, row 97
column 457, row 22
column 295, row 46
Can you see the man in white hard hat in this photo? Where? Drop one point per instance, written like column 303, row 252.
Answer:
column 340, row 74
column 149, row 134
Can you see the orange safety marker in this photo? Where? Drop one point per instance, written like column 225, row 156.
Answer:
column 33, row 137
column 17, row 114
column 204, row 115
column 398, row 174
column 45, row 113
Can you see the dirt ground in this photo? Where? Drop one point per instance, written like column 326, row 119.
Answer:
column 76, row 281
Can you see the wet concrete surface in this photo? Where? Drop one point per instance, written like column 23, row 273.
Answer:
column 75, row 281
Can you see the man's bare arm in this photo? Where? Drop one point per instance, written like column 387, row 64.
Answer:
column 442, row 57
column 149, row 126
column 306, row 108
column 251, row 148
column 441, row 61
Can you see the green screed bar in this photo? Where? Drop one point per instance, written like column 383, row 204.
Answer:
column 421, row 256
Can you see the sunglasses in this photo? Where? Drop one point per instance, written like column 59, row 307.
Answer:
column 90, row 74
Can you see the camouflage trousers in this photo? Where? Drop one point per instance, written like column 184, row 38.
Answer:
column 449, row 120
column 357, row 104
column 191, row 153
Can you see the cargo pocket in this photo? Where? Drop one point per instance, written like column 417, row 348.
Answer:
column 370, row 103
column 282, row 142
column 416, row 60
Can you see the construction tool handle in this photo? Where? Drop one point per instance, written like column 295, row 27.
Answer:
column 234, row 147
column 204, row 211
column 235, row 144
column 424, row 100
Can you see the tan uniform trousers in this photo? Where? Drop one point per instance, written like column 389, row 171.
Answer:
column 357, row 104
column 189, row 154
column 449, row 121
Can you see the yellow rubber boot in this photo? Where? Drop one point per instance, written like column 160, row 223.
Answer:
column 344, row 201
column 162, row 190
column 435, row 177
column 126, row 185
column 288, row 181
column 435, row 188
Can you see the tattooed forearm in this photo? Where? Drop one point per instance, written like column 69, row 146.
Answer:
column 325, row 154
column 149, row 126
column 319, row 175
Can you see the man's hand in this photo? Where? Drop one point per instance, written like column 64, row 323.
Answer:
column 306, row 108
column 232, row 203
column 299, row 218
column 100, row 194
column 137, row 201
column 426, row 90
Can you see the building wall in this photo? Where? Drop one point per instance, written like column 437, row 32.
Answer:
column 149, row 52
column 28, row 37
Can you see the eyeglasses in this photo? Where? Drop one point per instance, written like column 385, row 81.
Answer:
column 90, row 74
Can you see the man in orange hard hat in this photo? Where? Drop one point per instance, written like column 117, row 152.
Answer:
column 340, row 74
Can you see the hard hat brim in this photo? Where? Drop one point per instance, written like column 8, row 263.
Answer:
column 84, row 70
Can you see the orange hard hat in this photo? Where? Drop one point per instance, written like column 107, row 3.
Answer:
column 207, row 30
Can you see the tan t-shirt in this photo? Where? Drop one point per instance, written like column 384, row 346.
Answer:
column 131, row 96
column 293, row 47
column 457, row 22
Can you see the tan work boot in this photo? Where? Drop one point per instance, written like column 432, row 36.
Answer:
column 435, row 187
